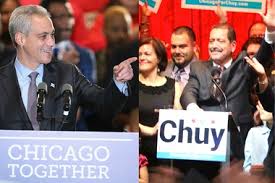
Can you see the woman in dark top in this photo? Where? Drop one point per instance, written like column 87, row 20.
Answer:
column 155, row 92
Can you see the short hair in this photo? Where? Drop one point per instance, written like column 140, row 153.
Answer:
column 159, row 50
column 21, row 17
column 231, row 34
column 252, row 40
column 185, row 29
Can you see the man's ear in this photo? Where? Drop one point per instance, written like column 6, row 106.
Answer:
column 20, row 38
column 233, row 46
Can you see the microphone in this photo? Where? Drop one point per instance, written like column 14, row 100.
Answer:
column 216, row 79
column 67, row 92
column 42, row 91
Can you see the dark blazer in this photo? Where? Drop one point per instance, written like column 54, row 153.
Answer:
column 267, row 100
column 13, row 115
column 236, row 83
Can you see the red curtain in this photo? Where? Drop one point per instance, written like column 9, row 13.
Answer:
column 171, row 15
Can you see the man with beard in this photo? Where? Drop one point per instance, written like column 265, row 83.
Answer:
column 183, row 49
column 236, row 78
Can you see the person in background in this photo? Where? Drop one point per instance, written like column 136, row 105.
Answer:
column 257, row 29
column 183, row 51
column 117, row 30
column 7, row 51
column 266, row 96
column 65, row 48
column 256, row 144
column 6, row 8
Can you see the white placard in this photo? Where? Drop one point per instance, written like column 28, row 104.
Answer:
column 192, row 135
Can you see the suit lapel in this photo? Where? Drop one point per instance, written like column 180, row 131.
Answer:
column 10, row 83
column 50, row 79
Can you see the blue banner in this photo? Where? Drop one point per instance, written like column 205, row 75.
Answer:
column 63, row 157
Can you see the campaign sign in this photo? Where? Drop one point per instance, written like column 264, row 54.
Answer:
column 153, row 5
column 68, row 157
column 192, row 135
column 230, row 5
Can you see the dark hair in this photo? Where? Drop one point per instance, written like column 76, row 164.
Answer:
column 46, row 3
column 159, row 49
column 3, row 1
column 252, row 40
column 185, row 29
column 231, row 34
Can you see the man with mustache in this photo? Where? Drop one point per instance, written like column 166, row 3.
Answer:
column 235, row 78
column 183, row 51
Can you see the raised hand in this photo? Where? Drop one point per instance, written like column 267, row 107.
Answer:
column 257, row 66
column 269, row 17
column 221, row 13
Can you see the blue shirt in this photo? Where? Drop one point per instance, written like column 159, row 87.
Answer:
column 24, row 80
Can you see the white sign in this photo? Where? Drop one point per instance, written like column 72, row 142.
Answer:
column 192, row 135
column 230, row 5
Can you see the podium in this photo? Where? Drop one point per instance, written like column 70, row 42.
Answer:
column 55, row 156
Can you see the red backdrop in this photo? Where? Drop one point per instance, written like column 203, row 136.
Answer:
column 171, row 15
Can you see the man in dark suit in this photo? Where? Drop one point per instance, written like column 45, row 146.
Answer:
column 233, row 77
column 32, row 33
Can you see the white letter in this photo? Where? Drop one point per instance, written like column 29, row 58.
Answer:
column 64, row 167
column 70, row 153
column 25, row 171
column 81, row 171
column 52, row 170
column 103, row 170
column 43, row 171
column 29, row 152
column 12, row 169
column 104, row 156
column 43, row 156
column 51, row 152
column 91, row 172
column 11, row 149
column 88, row 153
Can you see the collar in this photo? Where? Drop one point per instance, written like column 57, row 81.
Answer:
column 228, row 64
column 23, row 71
column 185, row 69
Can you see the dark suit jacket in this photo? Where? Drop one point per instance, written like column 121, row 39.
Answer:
column 236, row 83
column 267, row 100
column 13, row 115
